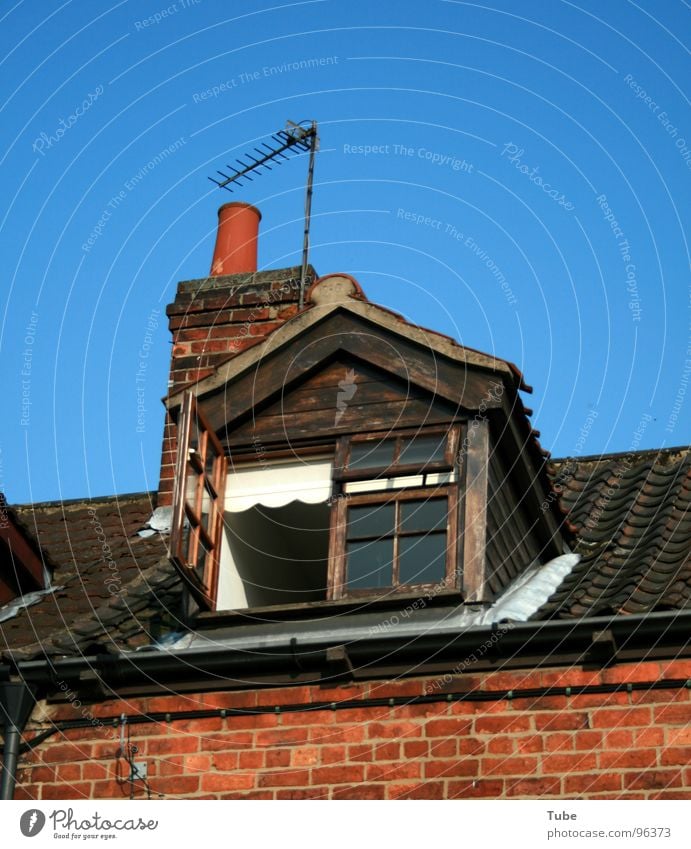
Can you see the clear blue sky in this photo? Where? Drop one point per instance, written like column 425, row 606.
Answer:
column 493, row 132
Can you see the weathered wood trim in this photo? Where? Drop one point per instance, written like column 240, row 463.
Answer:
column 475, row 520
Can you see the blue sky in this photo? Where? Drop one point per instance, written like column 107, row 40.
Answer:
column 514, row 174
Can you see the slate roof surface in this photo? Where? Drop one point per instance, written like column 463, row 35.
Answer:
column 110, row 581
column 632, row 512
column 633, row 517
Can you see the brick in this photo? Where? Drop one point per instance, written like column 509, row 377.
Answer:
column 278, row 757
column 534, row 787
column 226, row 761
column 613, row 717
column 285, row 778
column 629, row 759
column 334, row 734
column 444, row 748
column 509, row 766
column 307, row 756
column 678, row 714
column 81, row 790
column 564, row 721
column 386, row 751
column 360, row 791
column 365, row 752
column 447, row 727
column 215, row 781
column 171, row 745
column 678, row 736
column 587, row 740
column 282, row 737
column 393, row 771
column 500, row 746
column 471, row 746
column 333, row 754
column 625, row 673
column 675, row 755
column 576, row 762
column 650, row 737
column 248, row 760
column 498, row 724
column 338, row 774
column 451, row 768
column 427, row 790
column 415, row 748
column 304, row 793
column 230, row 741
column 530, row 743
column 592, row 783
column 493, row 789
column 653, row 779
column 69, row 772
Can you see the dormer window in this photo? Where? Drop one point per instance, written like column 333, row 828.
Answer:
column 395, row 518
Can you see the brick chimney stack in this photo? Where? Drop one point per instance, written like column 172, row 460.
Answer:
column 217, row 317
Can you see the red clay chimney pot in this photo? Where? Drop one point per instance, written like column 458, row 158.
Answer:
column 236, row 239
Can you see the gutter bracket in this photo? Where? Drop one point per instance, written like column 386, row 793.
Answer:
column 340, row 667
column 603, row 649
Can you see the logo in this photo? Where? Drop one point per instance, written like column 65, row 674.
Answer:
column 31, row 822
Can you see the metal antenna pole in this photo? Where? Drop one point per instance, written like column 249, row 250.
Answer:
column 295, row 139
column 308, row 214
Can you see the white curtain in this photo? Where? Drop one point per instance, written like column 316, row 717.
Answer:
column 278, row 483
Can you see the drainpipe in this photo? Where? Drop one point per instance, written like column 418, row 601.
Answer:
column 17, row 700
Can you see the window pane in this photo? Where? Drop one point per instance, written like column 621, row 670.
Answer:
column 371, row 520
column 191, row 485
column 368, row 564
column 423, row 449
column 202, row 553
column 371, row 455
column 422, row 559
column 423, row 515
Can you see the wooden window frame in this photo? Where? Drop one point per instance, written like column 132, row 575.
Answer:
column 184, row 548
column 342, row 501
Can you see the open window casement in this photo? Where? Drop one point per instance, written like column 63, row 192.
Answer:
column 200, row 478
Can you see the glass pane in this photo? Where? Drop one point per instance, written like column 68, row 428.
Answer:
column 422, row 559
column 423, row 450
column 371, row 455
column 368, row 564
column 201, row 560
column 423, row 515
column 371, row 520
column 191, row 485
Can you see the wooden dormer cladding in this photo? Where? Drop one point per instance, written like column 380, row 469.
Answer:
column 21, row 564
column 343, row 368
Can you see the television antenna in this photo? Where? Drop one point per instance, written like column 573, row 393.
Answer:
column 295, row 139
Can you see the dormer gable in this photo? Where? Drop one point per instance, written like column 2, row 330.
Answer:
column 275, row 423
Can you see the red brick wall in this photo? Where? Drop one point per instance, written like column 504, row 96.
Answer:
column 631, row 745
column 213, row 319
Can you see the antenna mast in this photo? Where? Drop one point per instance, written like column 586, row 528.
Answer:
column 297, row 139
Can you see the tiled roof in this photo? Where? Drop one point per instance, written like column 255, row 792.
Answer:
column 632, row 512
column 633, row 517
column 110, row 581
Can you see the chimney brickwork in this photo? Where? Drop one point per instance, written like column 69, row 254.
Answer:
column 217, row 317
